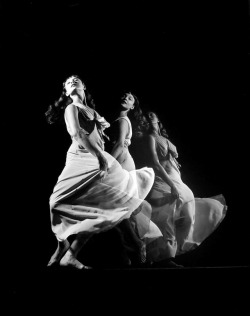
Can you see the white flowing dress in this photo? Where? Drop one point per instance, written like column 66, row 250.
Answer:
column 207, row 213
column 141, row 219
column 81, row 201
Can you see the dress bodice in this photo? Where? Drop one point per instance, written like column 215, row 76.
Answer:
column 165, row 151
column 90, row 122
column 129, row 134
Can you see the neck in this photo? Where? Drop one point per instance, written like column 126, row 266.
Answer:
column 78, row 99
column 155, row 128
column 124, row 113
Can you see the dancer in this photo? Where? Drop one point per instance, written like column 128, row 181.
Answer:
column 184, row 221
column 93, row 193
column 140, row 225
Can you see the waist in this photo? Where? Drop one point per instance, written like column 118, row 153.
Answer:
column 127, row 142
column 75, row 147
column 169, row 166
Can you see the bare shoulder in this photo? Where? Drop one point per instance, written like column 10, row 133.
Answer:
column 70, row 113
column 71, row 108
column 122, row 123
column 151, row 138
column 151, row 141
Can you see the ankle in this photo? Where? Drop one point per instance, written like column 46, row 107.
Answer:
column 70, row 253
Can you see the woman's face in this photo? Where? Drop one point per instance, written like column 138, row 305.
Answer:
column 153, row 118
column 127, row 101
column 73, row 83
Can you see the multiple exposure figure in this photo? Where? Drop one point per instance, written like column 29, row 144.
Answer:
column 93, row 193
column 142, row 228
column 185, row 221
column 97, row 191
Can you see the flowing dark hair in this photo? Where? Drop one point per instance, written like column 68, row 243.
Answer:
column 55, row 110
column 149, row 126
column 136, row 112
column 135, row 115
column 145, row 127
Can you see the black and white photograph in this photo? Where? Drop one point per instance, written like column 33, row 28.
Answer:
column 125, row 155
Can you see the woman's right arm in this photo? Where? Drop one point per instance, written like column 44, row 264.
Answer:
column 158, row 167
column 120, row 142
column 71, row 115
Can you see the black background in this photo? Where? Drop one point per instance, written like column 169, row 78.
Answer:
column 187, row 61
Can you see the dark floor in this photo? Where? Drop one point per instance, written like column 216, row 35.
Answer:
column 214, row 279
column 194, row 290
column 215, row 276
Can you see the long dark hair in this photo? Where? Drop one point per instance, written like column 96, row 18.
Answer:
column 56, row 109
column 144, row 125
column 136, row 112
column 135, row 115
column 149, row 126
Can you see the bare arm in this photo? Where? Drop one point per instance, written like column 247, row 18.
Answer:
column 120, row 143
column 158, row 167
column 71, row 115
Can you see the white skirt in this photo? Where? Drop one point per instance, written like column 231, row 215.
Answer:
column 82, row 202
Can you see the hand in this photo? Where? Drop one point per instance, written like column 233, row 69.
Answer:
column 103, row 166
column 175, row 192
column 126, row 144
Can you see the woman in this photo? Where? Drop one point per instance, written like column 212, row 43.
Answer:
column 93, row 193
column 184, row 221
column 140, row 225
column 122, row 130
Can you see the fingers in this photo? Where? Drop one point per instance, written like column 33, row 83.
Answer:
column 103, row 174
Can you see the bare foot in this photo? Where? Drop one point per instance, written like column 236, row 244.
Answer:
column 143, row 253
column 70, row 261
column 62, row 247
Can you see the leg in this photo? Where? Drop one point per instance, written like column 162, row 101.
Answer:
column 62, row 247
column 184, row 225
column 69, row 259
column 123, row 249
column 138, row 253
